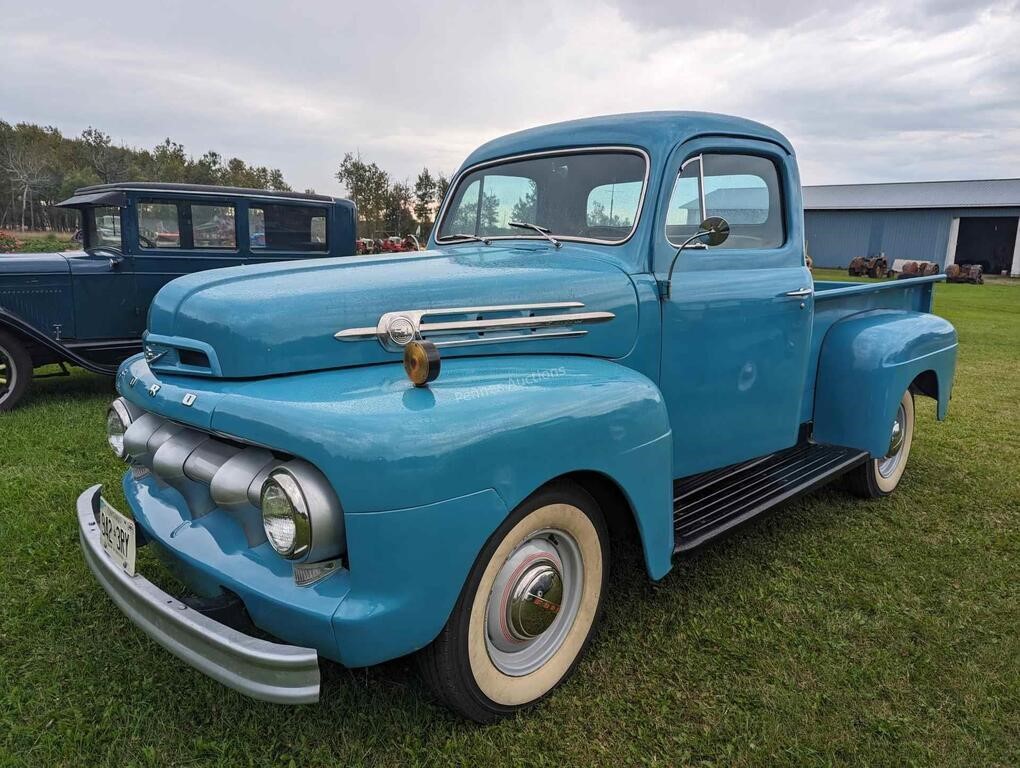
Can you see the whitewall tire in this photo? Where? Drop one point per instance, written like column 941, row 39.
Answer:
column 879, row 477
column 528, row 610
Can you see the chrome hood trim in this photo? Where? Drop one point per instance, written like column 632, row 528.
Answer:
column 396, row 329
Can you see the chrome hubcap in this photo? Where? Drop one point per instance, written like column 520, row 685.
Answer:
column 533, row 602
column 888, row 464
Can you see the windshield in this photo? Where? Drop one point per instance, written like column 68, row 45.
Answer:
column 104, row 227
column 591, row 195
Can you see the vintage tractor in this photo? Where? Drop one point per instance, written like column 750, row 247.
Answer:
column 965, row 273
column 876, row 266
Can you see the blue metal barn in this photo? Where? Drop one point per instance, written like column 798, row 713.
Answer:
column 948, row 222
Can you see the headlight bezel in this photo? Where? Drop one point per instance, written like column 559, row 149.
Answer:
column 315, row 512
column 119, row 409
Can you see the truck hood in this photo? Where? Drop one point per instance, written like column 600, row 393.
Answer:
column 33, row 263
column 253, row 321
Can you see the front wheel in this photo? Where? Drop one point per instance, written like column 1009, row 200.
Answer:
column 528, row 609
column 15, row 371
column 879, row 477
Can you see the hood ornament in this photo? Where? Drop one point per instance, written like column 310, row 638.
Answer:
column 490, row 324
column 401, row 330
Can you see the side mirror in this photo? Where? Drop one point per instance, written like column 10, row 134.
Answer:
column 712, row 231
column 716, row 229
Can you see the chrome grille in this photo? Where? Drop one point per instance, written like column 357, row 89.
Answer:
column 207, row 471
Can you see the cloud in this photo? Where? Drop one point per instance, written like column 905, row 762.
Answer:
column 867, row 92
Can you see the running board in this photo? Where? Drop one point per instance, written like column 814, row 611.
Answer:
column 707, row 505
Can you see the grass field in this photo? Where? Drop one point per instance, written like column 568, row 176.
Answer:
column 833, row 632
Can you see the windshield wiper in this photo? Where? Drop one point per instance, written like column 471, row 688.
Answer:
column 543, row 231
column 476, row 238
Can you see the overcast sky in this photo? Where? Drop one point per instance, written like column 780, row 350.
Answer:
column 873, row 91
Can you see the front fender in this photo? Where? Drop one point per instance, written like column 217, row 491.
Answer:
column 507, row 423
column 425, row 476
column 866, row 363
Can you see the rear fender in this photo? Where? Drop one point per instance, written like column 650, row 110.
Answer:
column 867, row 361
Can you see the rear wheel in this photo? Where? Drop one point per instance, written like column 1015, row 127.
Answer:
column 528, row 609
column 15, row 371
column 879, row 477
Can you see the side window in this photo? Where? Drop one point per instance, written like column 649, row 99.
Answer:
column 214, row 226
column 159, row 224
column 612, row 208
column 287, row 227
column 743, row 189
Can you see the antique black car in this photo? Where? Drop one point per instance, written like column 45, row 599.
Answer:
column 88, row 308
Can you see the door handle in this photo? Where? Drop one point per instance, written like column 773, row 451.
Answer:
column 800, row 293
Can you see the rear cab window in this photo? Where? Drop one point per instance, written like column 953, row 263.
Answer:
column 273, row 227
column 743, row 189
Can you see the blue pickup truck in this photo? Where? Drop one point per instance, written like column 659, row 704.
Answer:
column 612, row 333
column 88, row 308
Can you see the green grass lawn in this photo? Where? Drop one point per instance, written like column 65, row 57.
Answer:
column 834, row 631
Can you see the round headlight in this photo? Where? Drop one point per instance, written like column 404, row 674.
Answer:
column 118, row 419
column 285, row 515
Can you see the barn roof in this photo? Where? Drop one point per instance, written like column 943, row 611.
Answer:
column 977, row 193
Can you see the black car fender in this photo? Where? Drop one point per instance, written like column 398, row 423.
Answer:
column 20, row 327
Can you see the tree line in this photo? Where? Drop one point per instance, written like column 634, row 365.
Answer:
column 39, row 167
column 390, row 207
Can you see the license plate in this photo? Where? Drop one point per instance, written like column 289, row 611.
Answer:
column 117, row 535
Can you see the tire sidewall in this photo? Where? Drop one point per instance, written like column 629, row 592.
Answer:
column 883, row 486
column 493, row 691
column 20, row 365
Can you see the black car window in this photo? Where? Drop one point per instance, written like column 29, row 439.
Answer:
column 213, row 226
column 104, row 228
column 159, row 224
column 287, row 227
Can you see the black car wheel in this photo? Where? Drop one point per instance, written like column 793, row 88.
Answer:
column 15, row 371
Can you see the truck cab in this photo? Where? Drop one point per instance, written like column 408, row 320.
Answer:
column 613, row 332
column 88, row 308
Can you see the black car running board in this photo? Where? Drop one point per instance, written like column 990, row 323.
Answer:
column 708, row 505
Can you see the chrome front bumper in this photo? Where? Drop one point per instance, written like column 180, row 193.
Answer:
column 283, row 674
